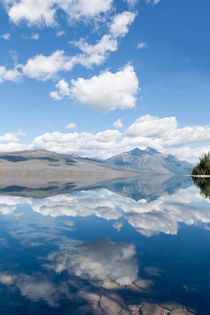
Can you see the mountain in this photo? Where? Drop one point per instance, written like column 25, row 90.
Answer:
column 148, row 187
column 46, row 162
column 44, row 172
column 150, row 161
column 40, row 173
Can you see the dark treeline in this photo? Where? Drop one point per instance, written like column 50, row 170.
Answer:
column 204, row 185
column 203, row 167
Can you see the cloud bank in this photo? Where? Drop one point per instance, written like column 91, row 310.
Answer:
column 44, row 12
column 163, row 134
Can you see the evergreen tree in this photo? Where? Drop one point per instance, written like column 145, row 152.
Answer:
column 203, row 167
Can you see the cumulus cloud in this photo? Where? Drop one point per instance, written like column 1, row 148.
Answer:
column 60, row 33
column 100, row 260
column 9, row 74
column 154, row 2
column 43, row 13
column 108, row 91
column 79, row 143
column 151, row 126
column 6, row 36
column 35, row 36
column 62, row 90
column 163, row 134
column 131, row 2
column 79, row 204
column 96, row 53
column 11, row 142
column 118, row 124
column 106, row 260
column 11, row 137
column 120, row 23
column 103, row 93
column 141, row 45
column 43, row 67
column 36, row 287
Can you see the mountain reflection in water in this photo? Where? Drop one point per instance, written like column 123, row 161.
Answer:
column 137, row 246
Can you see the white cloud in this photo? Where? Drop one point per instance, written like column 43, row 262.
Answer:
column 71, row 126
column 60, row 33
column 131, row 2
column 6, row 36
column 118, row 225
column 79, row 204
column 190, row 154
column 118, row 124
column 35, row 36
column 79, row 9
column 42, row 67
column 11, row 137
column 163, row 134
column 62, row 90
column 147, row 217
column 120, row 23
column 11, row 142
column 9, row 74
column 79, row 143
column 34, row 12
column 141, row 45
column 108, row 91
column 43, row 13
column 154, row 2
column 150, row 126
column 36, row 287
column 106, row 260
column 95, row 54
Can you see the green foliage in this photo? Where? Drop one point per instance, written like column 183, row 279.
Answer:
column 204, row 185
column 203, row 167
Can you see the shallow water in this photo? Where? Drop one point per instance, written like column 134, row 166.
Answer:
column 106, row 250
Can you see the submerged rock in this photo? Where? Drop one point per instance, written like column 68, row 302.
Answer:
column 109, row 306
column 152, row 309
column 180, row 311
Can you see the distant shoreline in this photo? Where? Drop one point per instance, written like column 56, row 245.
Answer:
column 202, row 176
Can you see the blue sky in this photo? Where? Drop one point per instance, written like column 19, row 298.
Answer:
column 102, row 78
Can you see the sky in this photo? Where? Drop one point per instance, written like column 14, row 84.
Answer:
column 100, row 77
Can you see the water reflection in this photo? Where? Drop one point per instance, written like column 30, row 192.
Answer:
column 204, row 185
column 147, row 217
column 102, row 260
column 117, row 249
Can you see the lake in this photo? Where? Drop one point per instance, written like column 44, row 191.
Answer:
column 134, row 246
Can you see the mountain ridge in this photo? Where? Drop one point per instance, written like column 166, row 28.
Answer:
column 149, row 160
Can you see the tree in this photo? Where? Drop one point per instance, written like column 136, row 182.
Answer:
column 203, row 167
column 204, row 185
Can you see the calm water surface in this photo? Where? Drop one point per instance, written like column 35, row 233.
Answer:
column 106, row 250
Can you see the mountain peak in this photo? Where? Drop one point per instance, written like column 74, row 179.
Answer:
column 139, row 152
column 151, row 150
column 136, row 151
